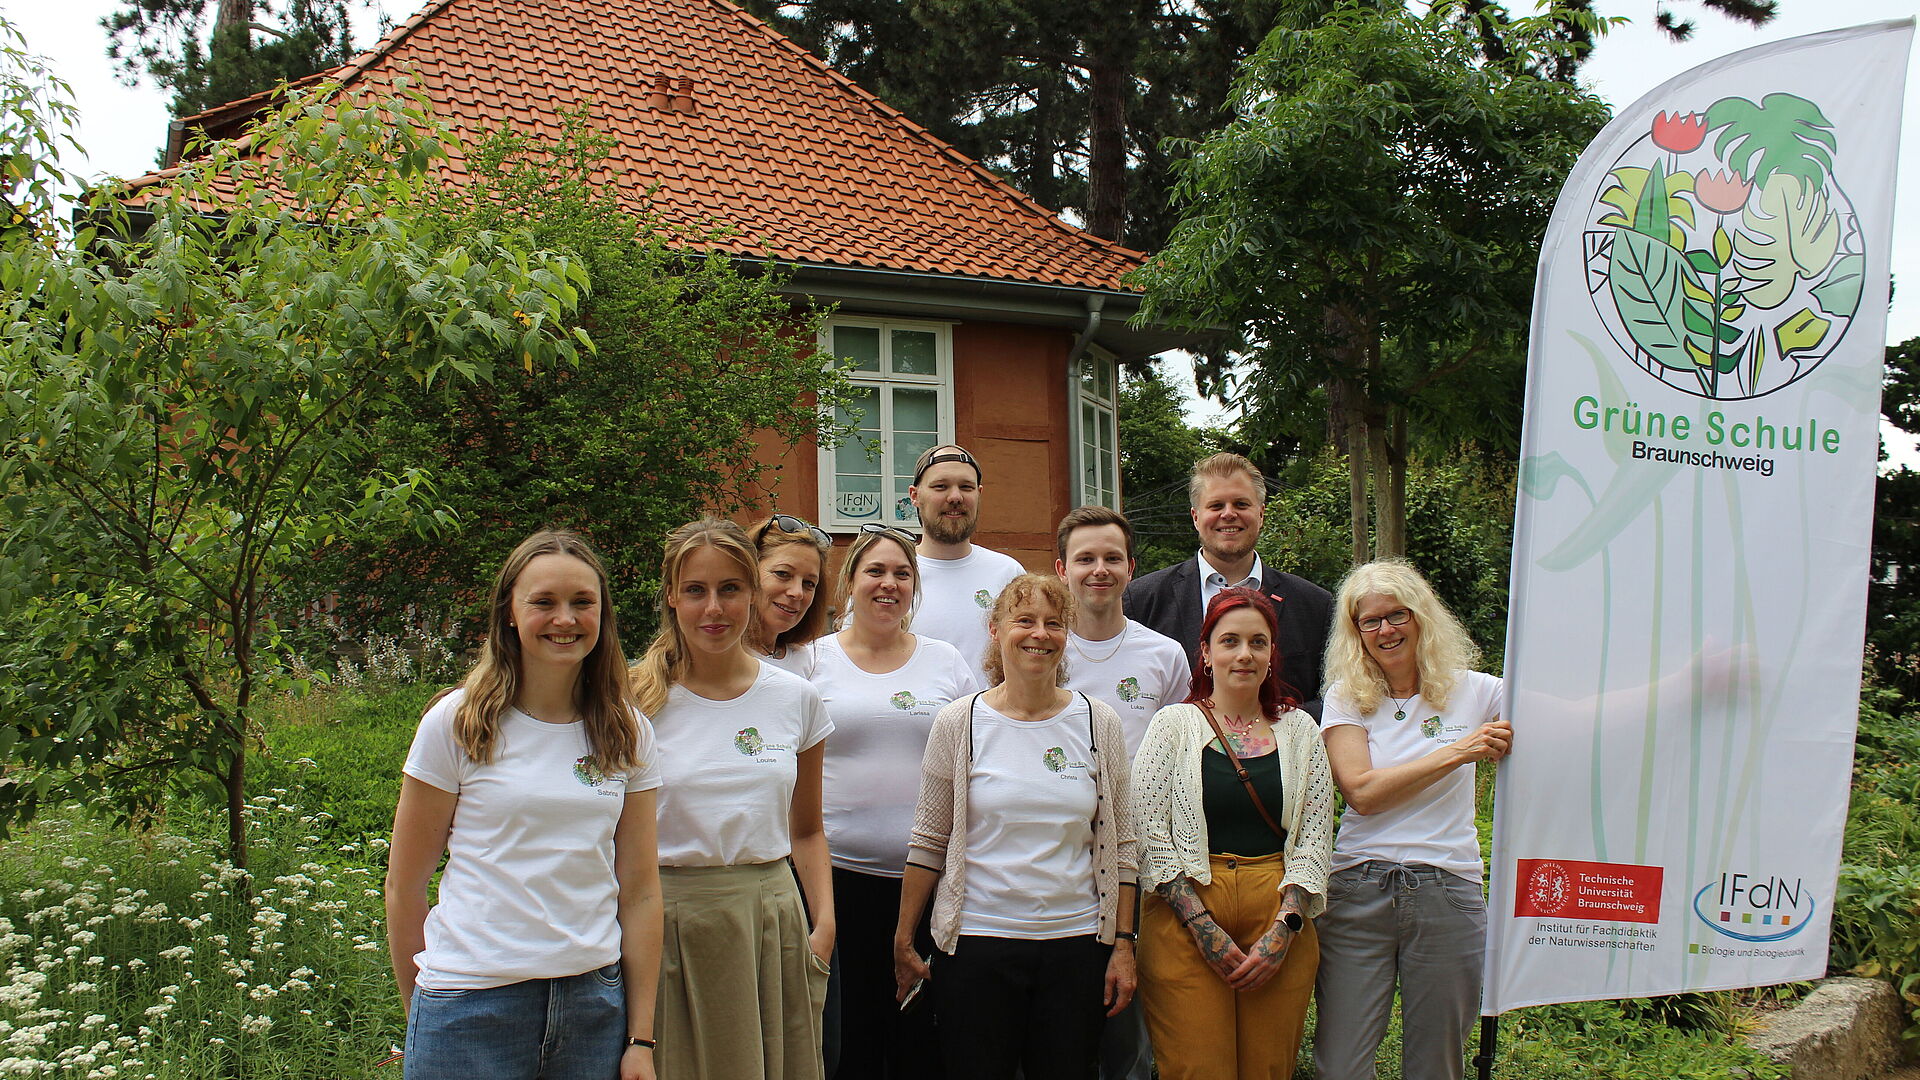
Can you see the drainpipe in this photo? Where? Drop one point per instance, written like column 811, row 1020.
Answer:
column 1094, row 303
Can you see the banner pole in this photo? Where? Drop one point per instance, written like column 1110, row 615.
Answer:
column 1489, row 1041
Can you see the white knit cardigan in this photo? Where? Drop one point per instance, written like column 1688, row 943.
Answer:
column 1173, row 827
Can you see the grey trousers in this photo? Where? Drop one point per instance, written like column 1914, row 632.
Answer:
column 1414, row 924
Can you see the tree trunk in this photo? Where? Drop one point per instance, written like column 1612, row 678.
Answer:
column 236, row 784
column 1356, row 470
column 1382, row 500
column 1393, row 522
column 1107, row 79
column 232, row 15
column 1041, row 182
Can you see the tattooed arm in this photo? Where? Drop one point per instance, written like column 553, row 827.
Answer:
column 1264, row 959
column 1222, row 954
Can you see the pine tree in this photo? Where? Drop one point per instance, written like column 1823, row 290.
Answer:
column 171, row 43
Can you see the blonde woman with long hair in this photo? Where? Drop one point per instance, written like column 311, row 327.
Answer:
column 1406, row 720
column 536, row 779
column 742, row 975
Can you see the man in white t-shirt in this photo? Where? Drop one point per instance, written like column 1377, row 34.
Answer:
column 959, row 580
column 1135, row 670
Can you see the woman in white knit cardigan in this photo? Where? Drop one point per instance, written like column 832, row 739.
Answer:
column 1227, row 955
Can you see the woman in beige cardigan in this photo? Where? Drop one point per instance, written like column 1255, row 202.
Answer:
column 1235, row 805
column 1023, row 840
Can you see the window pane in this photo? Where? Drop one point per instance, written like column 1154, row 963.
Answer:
column 1088, row 383
column 858, row 498
column 860, row 344
column 913, row 353
column 854, row 456
column 1103, row 370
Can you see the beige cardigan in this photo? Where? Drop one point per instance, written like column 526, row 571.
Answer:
column 1173, row 828
column 938, row 845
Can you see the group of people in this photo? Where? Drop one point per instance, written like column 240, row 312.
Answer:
column 961, row 819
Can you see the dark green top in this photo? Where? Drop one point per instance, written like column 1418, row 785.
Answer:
column 1234, row 824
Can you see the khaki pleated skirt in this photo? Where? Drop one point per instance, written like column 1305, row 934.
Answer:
column 740, row 992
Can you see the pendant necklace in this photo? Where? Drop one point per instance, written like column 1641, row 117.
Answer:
column 1400, row 711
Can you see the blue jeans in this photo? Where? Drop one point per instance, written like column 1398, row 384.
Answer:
column 572, row 1028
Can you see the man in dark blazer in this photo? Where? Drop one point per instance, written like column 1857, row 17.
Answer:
column 1228, row 497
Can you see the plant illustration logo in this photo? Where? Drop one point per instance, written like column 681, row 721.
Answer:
column 1129, row 689
column 587, row 771
column 1549, row 888
column 983, row 598
column 748, row 741
column 1430, row 727
column 1754, row 907
column 1721, row 254
column 1055, row 759
column 904, row 700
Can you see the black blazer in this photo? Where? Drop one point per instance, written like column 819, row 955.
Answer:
column 1169, row 601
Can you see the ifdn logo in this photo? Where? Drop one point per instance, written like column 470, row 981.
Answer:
column 1754, row 907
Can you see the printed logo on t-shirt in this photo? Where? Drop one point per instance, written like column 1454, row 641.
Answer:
column 904, row 700
column 587, row 771
column 983, row 598
column 750, row 744
column 1055, row 759
column 1129, row 689
column 1430, row 727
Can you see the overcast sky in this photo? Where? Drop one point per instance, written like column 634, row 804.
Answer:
column 123, row 128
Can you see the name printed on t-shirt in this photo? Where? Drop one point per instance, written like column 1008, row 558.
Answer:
column 1055, row 759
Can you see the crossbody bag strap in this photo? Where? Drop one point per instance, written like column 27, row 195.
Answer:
column 1240, row 770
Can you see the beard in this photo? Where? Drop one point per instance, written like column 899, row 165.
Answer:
column 944, row 530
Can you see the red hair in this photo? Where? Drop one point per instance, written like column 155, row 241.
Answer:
column 1276, row 697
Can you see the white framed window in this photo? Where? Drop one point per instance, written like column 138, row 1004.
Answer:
column 902, row 375
column 1094, row 389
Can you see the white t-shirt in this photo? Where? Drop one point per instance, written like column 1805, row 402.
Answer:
column 799, row 660
column 731, row 768
column 880, row 725
column 1436, row 826
column 956, row 596
column 529, row 890
column 1030, row 803
column 1138, row 672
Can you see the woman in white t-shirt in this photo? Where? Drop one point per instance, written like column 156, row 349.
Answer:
column 1023, row 840
column 787, row 619
column 536, row 779
column 742, row 975
column 1406, row 719
column 882, row 685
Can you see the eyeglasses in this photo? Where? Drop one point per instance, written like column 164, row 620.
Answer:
column 1371, row 624
column 888, row 531
column 789, row 524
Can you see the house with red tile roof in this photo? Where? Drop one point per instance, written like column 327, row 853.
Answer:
column 972, row 313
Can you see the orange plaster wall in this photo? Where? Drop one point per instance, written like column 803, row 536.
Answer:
column 1010, row 410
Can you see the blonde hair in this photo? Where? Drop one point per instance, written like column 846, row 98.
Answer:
column 1025, row 589
column 863, row 543
column 768, row 538
column 600, row 693
column 666, row 661
column 1443, row 653
column 1222, row 465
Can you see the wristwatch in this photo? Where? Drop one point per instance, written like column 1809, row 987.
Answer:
column 1292, row 920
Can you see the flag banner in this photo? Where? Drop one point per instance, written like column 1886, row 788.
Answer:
column 1694, row 519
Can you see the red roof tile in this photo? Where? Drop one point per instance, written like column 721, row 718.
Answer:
column 802, row 162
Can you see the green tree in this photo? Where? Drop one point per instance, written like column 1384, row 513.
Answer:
column 705, row 378
column 176, row 405
column 1369, row 223
column 238, row 55
column 1157, row 451
column 1893, row 595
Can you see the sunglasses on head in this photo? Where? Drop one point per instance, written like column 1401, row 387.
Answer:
column 889, row 532
column 787, row 523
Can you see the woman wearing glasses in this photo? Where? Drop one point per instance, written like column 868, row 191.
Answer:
column 882, row 685
column 793, row 562
column 1405, row 721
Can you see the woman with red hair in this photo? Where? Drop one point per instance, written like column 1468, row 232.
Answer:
column 1235, row 805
